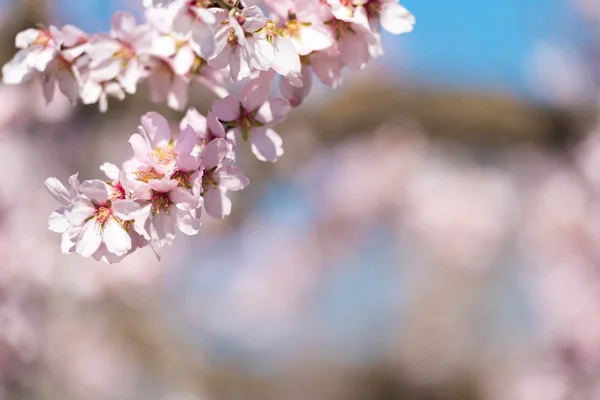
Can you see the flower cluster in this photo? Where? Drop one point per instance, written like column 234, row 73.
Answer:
column 215, row 42
column 162, row 189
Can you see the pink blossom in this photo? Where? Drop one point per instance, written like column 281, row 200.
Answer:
column 236, row 42
column 172, row 175
column 50, row 53
column 304, row 24
column 157, row 153
column 96, row 224
column 165, row 208
column 38, row 48
column 117, row 57
column 250, row 118
column 207, row 129
column 218, row 178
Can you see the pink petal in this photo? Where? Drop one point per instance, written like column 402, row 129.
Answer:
column 107, row 70
column 227, row 109
column 57, row 222
column 157, row 128
column 164, row 46
column 116, row 238
column 354, row 51
column 266, row 144
column 101, row 49
column 123, row 25
column 187, row 223
column 232, row 178
column 214, row 153
column 164, row 228
column 90, row 239
column 140, row 147
column 217, row 204
column 44, row 58
column 125, row 209
column 69, row 238
column 255, row 19
column 255, row 93
column 194, row 119
column 111, row 170
column 215, row 127
column 81, row 211
column 162, row 186
column 131, row 76
column 142, row 192
column 72, row 35
column 203, row 41
column 187, row 162
column 186, row 141
column 286, row 60
column 96, row 190
column 273, row 112
column 183, row 61
column 396, row 19
column 296, row 95
column 178, row 95
column 68, row 84
column 58, row 191
column 184, row 199
column 18, row 69
column 25, row 38
column 223, row 53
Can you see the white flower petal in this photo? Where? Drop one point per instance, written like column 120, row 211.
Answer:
column 116, row 238
column 90, row 239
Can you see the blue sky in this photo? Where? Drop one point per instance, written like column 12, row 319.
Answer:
column 478, row 43
column 481, row 44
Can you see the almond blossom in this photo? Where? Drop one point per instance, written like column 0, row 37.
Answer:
column 97, row 224
column 208, row 128
column 173, row 175
column 218, row 178
column 118, row 55
column 165, row 208
column 304, row 24
column 236, row 43
column 250, row 118
column 41, row 55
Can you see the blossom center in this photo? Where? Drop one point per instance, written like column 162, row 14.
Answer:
column 126, row 52
column 43, row 39
column 246, row 122
column 160, row 203
column 340, row 28
column 118, row 192
column 103, row 212
column 146, row 176
column 272, row 31
column 164, row 155
column 198, row 65
column 182, row 179
column 209, row 180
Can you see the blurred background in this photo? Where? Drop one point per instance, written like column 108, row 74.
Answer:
column 432, row 232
